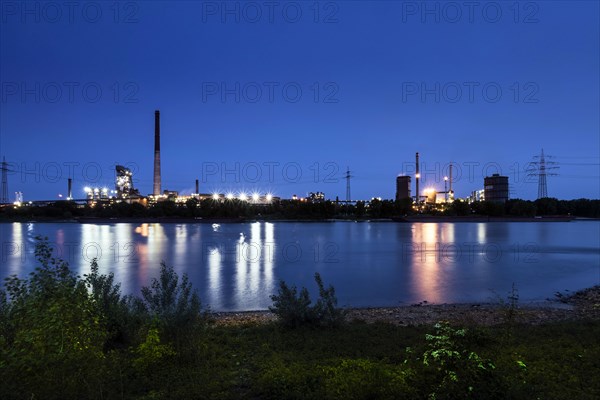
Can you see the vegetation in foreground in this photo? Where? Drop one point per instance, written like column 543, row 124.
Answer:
column 69, row 337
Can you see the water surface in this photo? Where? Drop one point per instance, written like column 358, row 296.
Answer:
column 238, row 266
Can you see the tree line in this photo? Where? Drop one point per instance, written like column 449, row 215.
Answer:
column 294, row 209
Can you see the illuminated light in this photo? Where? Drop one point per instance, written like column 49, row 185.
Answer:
column 445, row 178
column 417, row 176
column 215, row 196
column 104, row 190
column 269, row 197
column 243, row 197
column 229, row 196
column 60, row 196
column 87, row 189
column 255, row 196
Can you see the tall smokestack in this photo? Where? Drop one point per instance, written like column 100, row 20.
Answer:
column 156, row 189
column 450, row 179
column 69, row 189
column 197, row 187
column 417, row 177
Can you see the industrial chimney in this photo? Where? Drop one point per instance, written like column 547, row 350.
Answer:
column 417, row 177
column 156, row 189
column 70, row 189
column 450, row 179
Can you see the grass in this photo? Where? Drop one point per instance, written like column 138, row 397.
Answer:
column 554, row 361
column 69, row 337
column 355, row 361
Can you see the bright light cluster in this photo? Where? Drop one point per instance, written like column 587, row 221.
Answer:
column 255, row 197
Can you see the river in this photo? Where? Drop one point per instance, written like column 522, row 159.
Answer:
column 237, row 266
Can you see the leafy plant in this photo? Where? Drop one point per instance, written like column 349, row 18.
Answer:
column 294, row 309
column 326, row 309
column 52, row 331
column 454, row 369
column 174, row 304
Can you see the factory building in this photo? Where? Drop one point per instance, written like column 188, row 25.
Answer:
column 496, row 188
column 124, row 183
column 402, row 187
column 316, row 197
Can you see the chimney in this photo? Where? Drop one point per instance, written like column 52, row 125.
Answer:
column 197, row 187
column 156, row 188
column 417, row 177
column 69, row 189
column 450, row 179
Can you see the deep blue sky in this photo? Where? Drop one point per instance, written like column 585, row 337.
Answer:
column 373, row 59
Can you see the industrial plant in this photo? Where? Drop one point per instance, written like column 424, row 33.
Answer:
column 495, row 188
column 125, row 192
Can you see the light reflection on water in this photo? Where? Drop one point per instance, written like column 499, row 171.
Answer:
column 238, row 266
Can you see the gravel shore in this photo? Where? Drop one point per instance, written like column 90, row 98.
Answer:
column 584, row 304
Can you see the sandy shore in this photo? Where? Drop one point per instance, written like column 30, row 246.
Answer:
column 584, row 304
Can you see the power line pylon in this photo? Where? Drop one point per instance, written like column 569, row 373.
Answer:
column 542, row 167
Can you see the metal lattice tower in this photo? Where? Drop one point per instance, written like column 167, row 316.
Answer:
column 348, row 176
column 542, row 168
column 4, row 198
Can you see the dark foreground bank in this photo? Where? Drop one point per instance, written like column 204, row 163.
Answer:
column 64, row 336
column 563, row 307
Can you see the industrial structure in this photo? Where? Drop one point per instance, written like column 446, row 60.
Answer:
column 124, row 183
column 429, row 195
column 4, row 197
column 156, row 190
column 417, row 178
column 542, row 169
column 402, row 187
column 316, row 197
column 496, row 188
column 347, row 177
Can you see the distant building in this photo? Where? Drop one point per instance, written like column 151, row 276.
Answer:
column 496, row 188
column 430, row 196
column 402, row 187
column 477, row 195
column 124, row 183
column 316, row 197
column 170, row 194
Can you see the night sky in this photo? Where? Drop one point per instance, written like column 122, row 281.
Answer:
column 282, row 96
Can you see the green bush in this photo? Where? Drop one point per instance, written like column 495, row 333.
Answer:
column 454, row 371
column 294, row 309
column 174, row 305
column 52, row 334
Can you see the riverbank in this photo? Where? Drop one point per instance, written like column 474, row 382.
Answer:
column 584, row 304
column 483, row 218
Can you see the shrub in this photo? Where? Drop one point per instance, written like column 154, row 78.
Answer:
column 174, row 304
column 326, row 310
column 455, row 371
column 123, row 316
column 294, row 309
column 52, row 333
